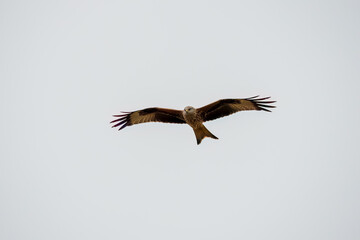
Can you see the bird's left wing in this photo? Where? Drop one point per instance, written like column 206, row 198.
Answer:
column 148, row 115
column 224, row 107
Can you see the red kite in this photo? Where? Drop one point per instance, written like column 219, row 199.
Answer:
column 193, row 116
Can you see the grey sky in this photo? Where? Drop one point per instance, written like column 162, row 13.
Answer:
column 67, row 66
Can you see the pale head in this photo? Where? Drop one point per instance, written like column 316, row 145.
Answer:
column 189, row 109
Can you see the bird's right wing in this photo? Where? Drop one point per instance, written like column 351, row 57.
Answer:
column 148, row 115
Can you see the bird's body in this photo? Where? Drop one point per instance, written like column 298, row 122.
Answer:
column 195, row 121
column 192, row 116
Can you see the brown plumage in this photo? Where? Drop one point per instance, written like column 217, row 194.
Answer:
column 193, row 117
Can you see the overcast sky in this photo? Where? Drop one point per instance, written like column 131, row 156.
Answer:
column 67, row 66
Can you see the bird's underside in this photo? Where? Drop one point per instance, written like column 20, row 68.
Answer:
column 194, row 117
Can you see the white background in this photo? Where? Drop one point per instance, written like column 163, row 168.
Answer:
column 67, row 66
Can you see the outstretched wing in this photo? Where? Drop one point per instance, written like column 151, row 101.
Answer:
column 148, row 115
column 225, row 107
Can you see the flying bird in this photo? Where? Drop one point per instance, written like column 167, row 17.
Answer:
column 193, row 116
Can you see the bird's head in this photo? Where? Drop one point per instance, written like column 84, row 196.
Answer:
column 189, row 109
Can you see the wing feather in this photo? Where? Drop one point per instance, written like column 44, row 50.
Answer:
column 225, row 107
column 148, row 115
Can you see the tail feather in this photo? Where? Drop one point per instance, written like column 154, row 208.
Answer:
column 202, row 132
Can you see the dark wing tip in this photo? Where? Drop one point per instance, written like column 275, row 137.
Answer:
column 261, row 104
column 252, row 97
column 122, row 120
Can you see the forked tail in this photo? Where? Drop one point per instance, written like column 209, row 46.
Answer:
column 202, row 132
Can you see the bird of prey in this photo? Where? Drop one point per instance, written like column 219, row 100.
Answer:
column 193, row 116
